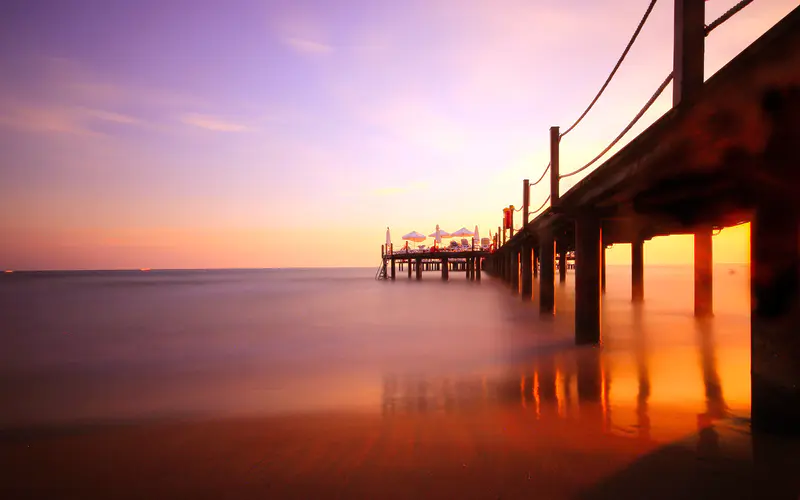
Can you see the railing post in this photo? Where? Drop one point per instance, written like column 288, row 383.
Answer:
column 689, row 46
column 526, row 201
column 554, row 167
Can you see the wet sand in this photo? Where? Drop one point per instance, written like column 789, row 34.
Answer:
column 494, row 453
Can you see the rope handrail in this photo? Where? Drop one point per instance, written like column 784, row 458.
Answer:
column 542, row 176
column 616, row 67
column 727, row 15
column 625, row 130
column 541, row 207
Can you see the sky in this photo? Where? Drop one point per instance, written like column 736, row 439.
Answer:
column 184, row 134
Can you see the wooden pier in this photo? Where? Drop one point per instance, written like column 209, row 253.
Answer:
column 443, row 261
column 728, row 152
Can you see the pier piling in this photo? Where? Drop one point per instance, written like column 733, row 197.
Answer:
column 703, row 273
column 637, row 270
column 588, row 255
column 527, row 281
column 547, row 291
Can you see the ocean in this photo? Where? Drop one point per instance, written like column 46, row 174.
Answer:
column 132, row 348
column 131, row 344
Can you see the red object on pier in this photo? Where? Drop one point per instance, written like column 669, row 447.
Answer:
column 506, row 218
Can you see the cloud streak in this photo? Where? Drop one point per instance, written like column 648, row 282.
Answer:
column 306, row 46
column 212, row 123
column 59, row 119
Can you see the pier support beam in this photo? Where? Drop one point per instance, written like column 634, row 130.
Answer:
column 535, row 263
column 419, row 269
column 507, row 266
column 393, row 269
column 547, row 290
column 478, row 268
column 703, row 273
column 527, row 281
column 445, row 269
column 588, row 252
column 602, row 268
column 562, row 263
column 637, row 270
column 774, row 320
column 409, row 268
column 515, row 269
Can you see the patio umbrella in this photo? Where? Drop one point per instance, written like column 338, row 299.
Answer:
column 462, row 232
column 414, row 236
column 477, row 235
column 388, row 238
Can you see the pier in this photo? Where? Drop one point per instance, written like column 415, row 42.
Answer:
column 727, row 153
column 443, row 261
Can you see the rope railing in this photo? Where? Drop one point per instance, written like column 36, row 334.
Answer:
column 625, row 130
column 541, row 207
column 616, row 67
column 542, row 176
column 727, row 15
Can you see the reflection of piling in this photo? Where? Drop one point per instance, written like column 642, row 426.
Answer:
column 590, row 387
column 643, row 373
column 715, row 404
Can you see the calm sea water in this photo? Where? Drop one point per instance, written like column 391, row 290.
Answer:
column 130, row 344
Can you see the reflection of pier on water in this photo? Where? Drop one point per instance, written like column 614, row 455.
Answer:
column 574, row 385
column 563, row 387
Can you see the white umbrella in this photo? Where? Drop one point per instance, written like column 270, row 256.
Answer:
column 388, row 238
column 462, row 232
column 477, row 235
column 414, row 236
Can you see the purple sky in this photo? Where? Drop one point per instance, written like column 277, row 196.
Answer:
column 253, row 133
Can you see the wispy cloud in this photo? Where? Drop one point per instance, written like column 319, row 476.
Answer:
column 213, row 123
column 58, row 119
column 306, row 46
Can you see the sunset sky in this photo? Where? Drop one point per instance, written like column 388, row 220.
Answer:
column 185, row 134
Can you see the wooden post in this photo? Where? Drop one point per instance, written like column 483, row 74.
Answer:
column 774, row 320
column 498, row 238
column 535, row 263
column 589, row 247
column 527, row 282
column 602, row 268
column 637, row 270
column 445, row 269
column 383, row 260
column 554, row 167
column 478, row 262
column 393, row 268
column 511, row 229
column 526, row 200
column 562, row 261
column 419, row 268
column 703, row 273
column 688, row 53
column 515, row 269
column 547, row 291
column 409, row 267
